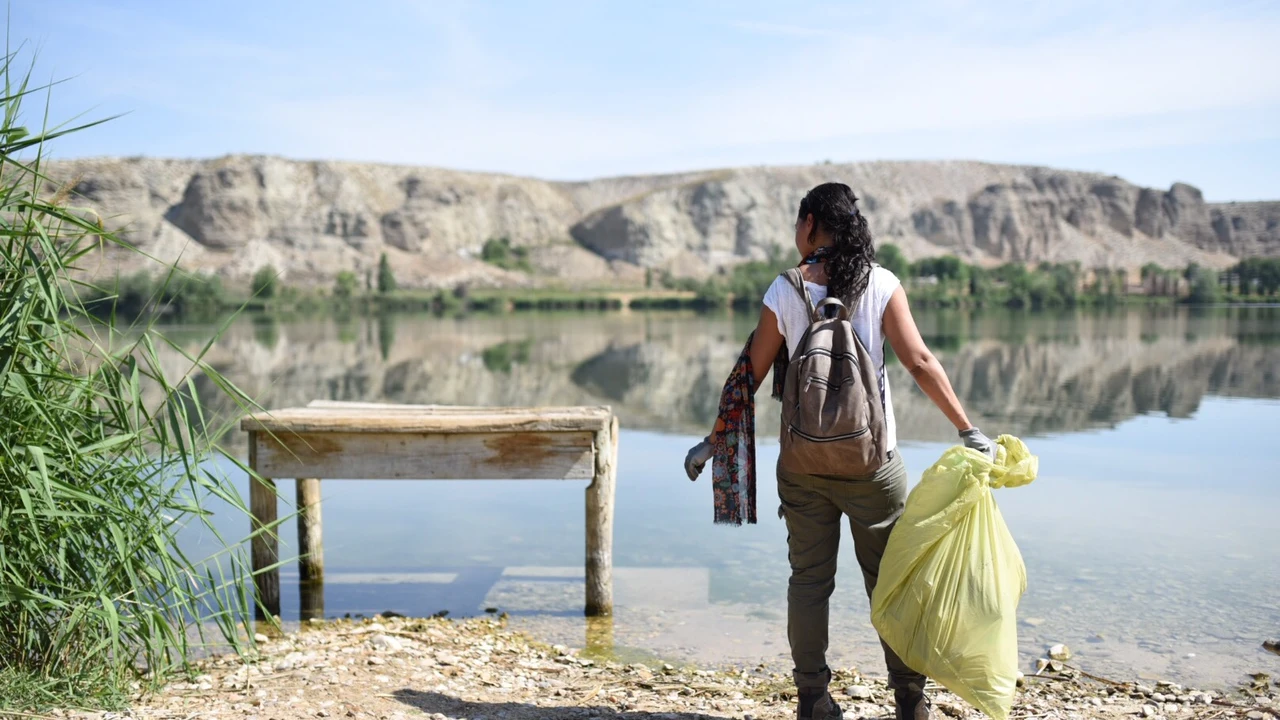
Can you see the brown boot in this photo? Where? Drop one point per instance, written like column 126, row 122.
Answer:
column 912, row 704
column 817, row 704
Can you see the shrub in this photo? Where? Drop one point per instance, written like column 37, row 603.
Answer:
column 345, row 285
column 1204, row 287
column 264, row 282
column 1258, row 275
column 103, row 459
column 386, row 278
column 500, row 252
column 891, row 258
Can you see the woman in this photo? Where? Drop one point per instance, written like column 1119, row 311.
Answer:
column 839, row 261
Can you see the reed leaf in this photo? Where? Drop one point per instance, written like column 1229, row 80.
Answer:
column 103, row 461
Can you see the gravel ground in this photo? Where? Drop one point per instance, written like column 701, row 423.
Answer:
column 394, row 668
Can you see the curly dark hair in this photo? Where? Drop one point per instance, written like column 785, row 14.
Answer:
column 835, row 210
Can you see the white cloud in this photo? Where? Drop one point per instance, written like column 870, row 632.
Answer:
column 1030, row 82
column 1090, row 89
column 875, row 84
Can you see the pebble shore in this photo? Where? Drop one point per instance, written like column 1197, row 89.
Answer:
column 400, row 668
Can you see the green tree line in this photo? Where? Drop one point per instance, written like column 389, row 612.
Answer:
column 949, row 281
column 936, row 281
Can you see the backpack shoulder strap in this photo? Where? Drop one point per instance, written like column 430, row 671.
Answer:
column 796, row 278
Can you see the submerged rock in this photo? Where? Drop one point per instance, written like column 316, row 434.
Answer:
column 1060, row 652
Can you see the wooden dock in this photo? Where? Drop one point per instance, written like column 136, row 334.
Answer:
column 371, row 441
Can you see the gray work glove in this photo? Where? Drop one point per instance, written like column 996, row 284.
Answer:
column 973, row 438
column 697, row 458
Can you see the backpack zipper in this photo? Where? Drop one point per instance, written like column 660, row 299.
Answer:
column 813, row 438
column 830, row 385
column 823, row 351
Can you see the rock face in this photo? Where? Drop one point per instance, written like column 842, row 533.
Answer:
column 1247, row 229
column 981, row 212
column 312, row 220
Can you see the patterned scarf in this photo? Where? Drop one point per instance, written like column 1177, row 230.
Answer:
column 733, row 467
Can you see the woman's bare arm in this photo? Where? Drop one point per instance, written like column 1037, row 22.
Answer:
column 904, row 337
column 764, row 348
column 765, row 345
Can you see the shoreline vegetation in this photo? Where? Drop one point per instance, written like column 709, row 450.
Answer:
column 396, row 668
column 104, row 458
column 937, row 282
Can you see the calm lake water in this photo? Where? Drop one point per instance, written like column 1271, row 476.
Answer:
column 1151, row 538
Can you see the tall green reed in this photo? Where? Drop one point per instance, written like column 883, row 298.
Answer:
column 103, row 460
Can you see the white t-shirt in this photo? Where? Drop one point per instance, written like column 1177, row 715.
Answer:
column 867, row 319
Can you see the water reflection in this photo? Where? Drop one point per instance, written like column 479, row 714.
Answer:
column 1150, row 545
column 1022, row 373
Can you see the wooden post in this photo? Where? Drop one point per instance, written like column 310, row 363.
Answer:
column 265, row 545
column 311, row 547
column 600, row 494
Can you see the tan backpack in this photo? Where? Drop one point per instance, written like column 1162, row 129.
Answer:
column 832, row 408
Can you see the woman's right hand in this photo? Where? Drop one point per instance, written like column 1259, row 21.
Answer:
column 697, row 458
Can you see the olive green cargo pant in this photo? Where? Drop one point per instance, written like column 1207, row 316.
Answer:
column 812, row 507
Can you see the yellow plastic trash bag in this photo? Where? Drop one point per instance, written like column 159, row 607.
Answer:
column 951, row 577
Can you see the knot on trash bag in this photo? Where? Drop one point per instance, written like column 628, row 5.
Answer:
column 1015, row 465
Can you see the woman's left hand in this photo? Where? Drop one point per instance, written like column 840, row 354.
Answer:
column 975, row 440
column 697, row 458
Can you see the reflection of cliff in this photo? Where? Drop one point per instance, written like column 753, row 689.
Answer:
column 505, row 360
column 1057, row 387
column 1017, row 388
column 664, row 372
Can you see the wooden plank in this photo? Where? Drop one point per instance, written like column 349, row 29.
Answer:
column 600, row 501
column 373, row 418
column 429, row 456
column 265, row 547
column 352, row 405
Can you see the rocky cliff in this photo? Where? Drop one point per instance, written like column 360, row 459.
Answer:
column 312, row 220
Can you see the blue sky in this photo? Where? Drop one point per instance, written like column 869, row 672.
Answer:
column 1152, row 91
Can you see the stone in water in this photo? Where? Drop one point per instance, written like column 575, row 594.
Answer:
column 1060, row 652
